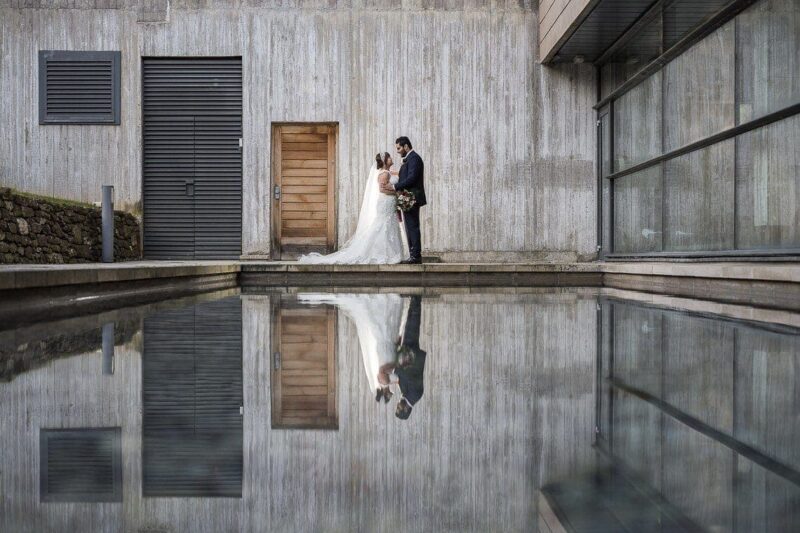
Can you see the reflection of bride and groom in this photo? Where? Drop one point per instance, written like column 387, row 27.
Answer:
column 388, row 333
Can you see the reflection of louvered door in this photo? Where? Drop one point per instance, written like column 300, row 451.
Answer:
column 304, row 368
column 192, row 431
column 303, row 213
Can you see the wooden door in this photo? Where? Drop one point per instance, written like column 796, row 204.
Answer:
column 303, row 189
column 304, row 368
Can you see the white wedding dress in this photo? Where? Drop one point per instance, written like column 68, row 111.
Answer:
column 377, row 239
column 378, row 319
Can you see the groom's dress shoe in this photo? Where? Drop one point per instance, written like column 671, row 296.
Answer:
column 411, row 261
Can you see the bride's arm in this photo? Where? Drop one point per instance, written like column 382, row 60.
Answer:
column 383, row 181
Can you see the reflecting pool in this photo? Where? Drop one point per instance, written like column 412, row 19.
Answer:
column 436, row 410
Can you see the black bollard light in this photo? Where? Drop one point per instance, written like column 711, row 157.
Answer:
column 108, row 223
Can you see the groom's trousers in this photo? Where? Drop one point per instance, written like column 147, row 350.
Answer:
column 411, row 218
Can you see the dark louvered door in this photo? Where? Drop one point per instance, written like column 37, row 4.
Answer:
column 192, row 395
column 192, row 158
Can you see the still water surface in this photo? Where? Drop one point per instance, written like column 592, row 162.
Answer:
column 544, row 410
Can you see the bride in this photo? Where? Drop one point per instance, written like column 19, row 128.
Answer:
column 377, row 239
column 378, row 319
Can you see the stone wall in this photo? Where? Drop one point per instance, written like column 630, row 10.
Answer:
column 36, row 229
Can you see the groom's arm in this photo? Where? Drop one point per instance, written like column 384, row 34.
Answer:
column 413, row 174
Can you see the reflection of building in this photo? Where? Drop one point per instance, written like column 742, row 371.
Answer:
column 704, row 412
column 485, row 443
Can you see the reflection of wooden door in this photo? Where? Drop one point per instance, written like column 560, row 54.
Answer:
column 303, row 189
column 304, row 368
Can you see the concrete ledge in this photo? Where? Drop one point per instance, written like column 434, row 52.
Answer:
column 40, row 276
column 47, row 292
column 785, row 272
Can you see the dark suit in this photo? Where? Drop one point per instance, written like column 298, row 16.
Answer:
column 412, row 375
column 412, row 178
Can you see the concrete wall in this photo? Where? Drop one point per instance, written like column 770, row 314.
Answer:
column 507, row 407
column 508, row 143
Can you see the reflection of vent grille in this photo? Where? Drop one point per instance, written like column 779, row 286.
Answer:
column 78, row 87
column 80, row 465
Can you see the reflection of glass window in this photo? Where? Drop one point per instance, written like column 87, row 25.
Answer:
column 80, row 465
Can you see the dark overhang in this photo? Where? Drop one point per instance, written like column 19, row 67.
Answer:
column 636, row 30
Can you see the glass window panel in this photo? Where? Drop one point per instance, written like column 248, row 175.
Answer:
column 699, row 199
column 637, row 211
column 768, row 186
column 683, row 16
column 612, row 75
column 699, row 90
column 632, row 57
column 768, row 58
column 637, row 123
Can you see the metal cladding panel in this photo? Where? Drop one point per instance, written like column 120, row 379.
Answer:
column 192, row 428
column 192, row 158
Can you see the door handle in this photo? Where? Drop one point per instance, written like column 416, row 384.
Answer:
column 277, row 192
column 189, row 187
column 276, row 360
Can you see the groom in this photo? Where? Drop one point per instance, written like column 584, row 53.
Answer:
column 412, row 179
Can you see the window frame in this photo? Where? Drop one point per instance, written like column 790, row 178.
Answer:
column 608, row 249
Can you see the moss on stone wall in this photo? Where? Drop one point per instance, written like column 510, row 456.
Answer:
column 38, row 229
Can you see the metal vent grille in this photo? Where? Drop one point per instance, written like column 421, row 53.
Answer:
column 192, row 392
column 80, row 465
column 79, row 87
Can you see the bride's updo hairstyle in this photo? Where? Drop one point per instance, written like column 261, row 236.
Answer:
column 381, row 160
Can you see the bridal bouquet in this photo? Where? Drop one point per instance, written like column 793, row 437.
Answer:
column 405, row 200
column 404, row 355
